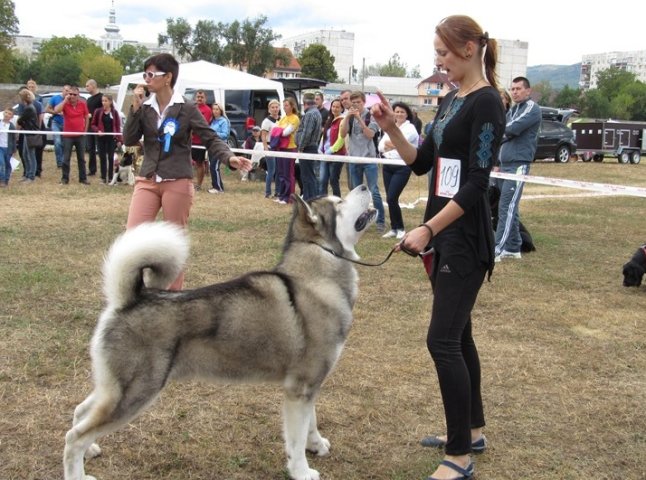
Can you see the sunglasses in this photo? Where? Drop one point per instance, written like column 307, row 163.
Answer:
column 73, row 94
column 151, row 75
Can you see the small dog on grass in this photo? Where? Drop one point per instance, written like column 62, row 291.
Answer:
column 634, row 270
column 124, row 173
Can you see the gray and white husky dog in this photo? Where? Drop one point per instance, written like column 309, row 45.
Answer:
column 287, row 326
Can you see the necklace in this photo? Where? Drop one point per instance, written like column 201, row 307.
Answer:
column 468, row 91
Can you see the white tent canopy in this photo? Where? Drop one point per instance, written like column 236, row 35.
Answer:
column 207, row 76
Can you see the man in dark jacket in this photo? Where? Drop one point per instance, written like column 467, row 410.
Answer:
column 307, row 141
column 516, row 155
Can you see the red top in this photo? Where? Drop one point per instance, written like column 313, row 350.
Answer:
column 207, row 113
column 74, row 117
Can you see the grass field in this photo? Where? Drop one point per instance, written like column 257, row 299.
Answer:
column 562, row 343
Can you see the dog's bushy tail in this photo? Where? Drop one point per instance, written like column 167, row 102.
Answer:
column 159, row 249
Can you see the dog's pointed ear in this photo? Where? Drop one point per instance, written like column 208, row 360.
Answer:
column 303, row 209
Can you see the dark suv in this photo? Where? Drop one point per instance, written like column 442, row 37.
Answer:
column 555, row 140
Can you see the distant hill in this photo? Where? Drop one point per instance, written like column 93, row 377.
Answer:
column 557, row 75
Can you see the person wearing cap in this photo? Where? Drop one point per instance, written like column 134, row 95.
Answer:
column 307, row 141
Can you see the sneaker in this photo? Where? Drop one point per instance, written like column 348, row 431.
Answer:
column 281, row 202
column 506, row 254
column 214, row 190
column 381, row 228
column 390, row 234
column 84, row 182
column 400, row 234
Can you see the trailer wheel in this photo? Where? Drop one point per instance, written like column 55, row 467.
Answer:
column 624, row 157
column 598, row 157
column 635, row 157
column 562, row 154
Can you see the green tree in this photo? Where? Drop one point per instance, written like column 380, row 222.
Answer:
column 637, row 91
column 8, row 23
column 394, row 67
column 543, row 93
column 8, row 27
column 612, row 80
column 63, row 70
column 414, row 72
column 317, row 62
column 568, row 98
column 250, row 44
column 595, row 105
column 130, row 57
column 105, row 69
column 60, row 47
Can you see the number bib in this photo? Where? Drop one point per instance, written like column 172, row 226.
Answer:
column 448, row 177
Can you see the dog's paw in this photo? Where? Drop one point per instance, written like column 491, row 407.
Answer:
column 310, row 475
column 320, row 447
column 92, row 452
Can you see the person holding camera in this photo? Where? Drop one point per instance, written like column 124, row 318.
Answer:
column 76, row 119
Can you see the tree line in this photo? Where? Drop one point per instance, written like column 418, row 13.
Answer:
column 619, row 95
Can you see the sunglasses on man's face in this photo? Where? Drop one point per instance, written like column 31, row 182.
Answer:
column 151, row 75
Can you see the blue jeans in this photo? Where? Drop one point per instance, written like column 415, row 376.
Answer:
column 309, row 174
column 395, row 179
column 371, row 171
column 330, row 172
column 271, row 175
column 29, row 159
column 58, row 143
column 5, row 165
column 507, row 231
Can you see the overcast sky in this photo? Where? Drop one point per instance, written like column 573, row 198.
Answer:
column 558, row 31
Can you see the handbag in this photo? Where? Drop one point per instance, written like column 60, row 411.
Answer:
column 34, row 141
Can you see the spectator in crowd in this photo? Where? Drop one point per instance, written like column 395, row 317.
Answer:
column 28, row 120
column 7, row 146
column 93, row 102
column 332, row 144
column 285, row 167
column 222, row 127
column 463, row 145
column 75, row 123
column 516, row 155
column 56, row 123
column 320, row 100
column 252, row 142
column 396, row 176
column 165, row 179
column 106, row 120
column 38, row 103
column 359, row 125
column 273, row 107
column 199, row 154
column 345, row 100
column 308, row 135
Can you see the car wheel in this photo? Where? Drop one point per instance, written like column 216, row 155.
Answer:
column 232, row 142
column 635, row 157
column 562, row 154
column 598, row 157
column 624, row 157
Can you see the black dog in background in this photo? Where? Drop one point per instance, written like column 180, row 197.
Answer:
column 634, row 270
column 526, row 237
